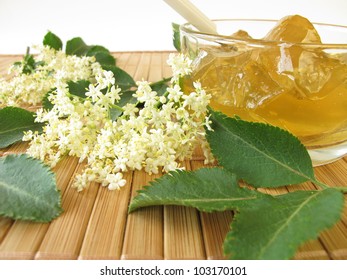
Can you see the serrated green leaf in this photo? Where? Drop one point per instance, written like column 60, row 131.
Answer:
column 24, row 196
column 122, row 78
column 76, row 46
column 260, row 154
column 207, row 189
column 276, row 228
column 52, row 41
column 13, row 122
column 176, row 40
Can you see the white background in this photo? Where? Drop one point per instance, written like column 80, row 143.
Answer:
column 128, row 25
column 90, row 270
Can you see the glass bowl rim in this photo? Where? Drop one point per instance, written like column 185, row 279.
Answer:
column 187, row 28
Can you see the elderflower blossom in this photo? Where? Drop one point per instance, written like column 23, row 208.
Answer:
column 56, row 66
column 180, row 65
column 72, row 125
column 153, row 137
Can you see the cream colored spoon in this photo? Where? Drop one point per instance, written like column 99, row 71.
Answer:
column 193, row 15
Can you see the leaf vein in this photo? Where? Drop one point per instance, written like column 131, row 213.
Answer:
column 285, row 224
column 24, row 193
column 265, row 154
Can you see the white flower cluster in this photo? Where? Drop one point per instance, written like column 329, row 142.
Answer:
column 73, row 123
column 55, row 66
column 154, row 134
column 180, row 65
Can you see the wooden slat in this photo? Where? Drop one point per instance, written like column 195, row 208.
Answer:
column 17, row 148
column 132, row 63
column 122, row 59
column 23, row 240
column 215, row 228
column 183, row 238
column 144, row 229
column 335, row 239
column 105, row 232
column 64, row 237
column 5, row 225
column 6, row 62
column 155, row 69
column 140, row 63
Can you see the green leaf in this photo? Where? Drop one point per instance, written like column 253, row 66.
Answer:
column 28, row 63
column 102, row 55
column 52, row 41
column 115, row 113
column 161, row 86
column 96, row 49
column 46, row 104
column 24, row 196
column 78, row 88
column 207, row 189
column 76, row 46
column 126, row 98
column 176, row 36
column 275, row 229
column 266, row 227
column 258, row 153
column 122, row 78
column 13, row 122
column 104, row 58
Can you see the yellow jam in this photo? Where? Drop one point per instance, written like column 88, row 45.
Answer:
column 302, row 89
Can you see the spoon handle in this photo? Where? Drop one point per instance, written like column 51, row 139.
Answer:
column 193, row 15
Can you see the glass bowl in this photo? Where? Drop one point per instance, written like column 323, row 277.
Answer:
column 291, row 74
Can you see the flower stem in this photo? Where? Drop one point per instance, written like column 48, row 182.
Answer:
column 342, row 189
column 320, row 184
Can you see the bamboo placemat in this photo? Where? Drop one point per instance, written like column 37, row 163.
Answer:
column 95, row 223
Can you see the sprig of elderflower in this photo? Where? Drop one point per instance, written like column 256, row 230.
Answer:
column 180, row 65
column 30, row 88
column 154, row 137
column 72, row 124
